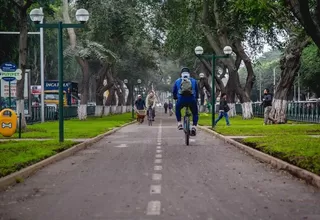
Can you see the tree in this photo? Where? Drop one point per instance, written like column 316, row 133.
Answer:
column 22, row 7
column 308, row 14
column 310, row 69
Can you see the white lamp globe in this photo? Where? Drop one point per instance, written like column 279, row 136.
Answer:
column 201, row 75
column 227, row 50
column 82, row 15
column 36, row 15
column 125, row 81
column 198, row 50
column 139, row 81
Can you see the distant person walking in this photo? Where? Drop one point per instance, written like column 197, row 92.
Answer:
column 165, row 105
column 170, row 106
column 267, row 105
column 223, row 109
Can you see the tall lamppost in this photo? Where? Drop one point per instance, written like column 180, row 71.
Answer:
column 227, row 50
column 82, row 15
column 132, row 95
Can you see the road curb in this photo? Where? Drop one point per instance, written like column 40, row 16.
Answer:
column 303, row 174
column 11, row 179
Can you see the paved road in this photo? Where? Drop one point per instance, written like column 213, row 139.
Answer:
column 146, row 173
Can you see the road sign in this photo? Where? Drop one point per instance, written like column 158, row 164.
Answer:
column 9, row 72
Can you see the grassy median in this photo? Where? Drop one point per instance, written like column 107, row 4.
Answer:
column 75, row 128
column 255, row 127
column 292, row 142
column 300, row 150
column 15, row 155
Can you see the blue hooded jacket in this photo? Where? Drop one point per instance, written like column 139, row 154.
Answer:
column 176, row 88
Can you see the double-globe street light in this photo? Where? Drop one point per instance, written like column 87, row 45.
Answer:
column 82, row 15
column 132, row 95
column 227, row 50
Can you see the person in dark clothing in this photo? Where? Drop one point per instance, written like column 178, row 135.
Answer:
column 267, row 105
column 223, row 109
column 170, row 106
column 139, row 105
column 165, row 107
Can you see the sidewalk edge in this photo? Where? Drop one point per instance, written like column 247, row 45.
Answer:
column 11, row 179
column 303, row 174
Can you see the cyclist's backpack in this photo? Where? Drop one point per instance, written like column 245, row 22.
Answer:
column 186, row 87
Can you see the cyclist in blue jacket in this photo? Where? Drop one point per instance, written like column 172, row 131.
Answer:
column 185, row 91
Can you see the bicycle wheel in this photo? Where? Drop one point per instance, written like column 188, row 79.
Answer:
column 150, row 117
column 187, row 130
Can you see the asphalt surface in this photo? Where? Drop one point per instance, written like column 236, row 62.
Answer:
column 142, row 173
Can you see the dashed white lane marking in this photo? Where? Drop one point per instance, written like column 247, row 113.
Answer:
column 156, row 176
column 155, row 189
column 157, row 168
column 192, row 140
column 121, row 145
column 154, row 208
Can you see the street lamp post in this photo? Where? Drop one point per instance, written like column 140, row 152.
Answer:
column 82, row 15
column 227, row 50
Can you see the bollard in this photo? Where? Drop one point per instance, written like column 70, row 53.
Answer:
column 20, row 115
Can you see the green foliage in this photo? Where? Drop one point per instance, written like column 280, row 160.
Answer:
column 15, row 155
column 310, row 69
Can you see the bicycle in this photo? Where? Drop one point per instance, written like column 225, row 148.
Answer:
column 186, row 125
column 150, row 116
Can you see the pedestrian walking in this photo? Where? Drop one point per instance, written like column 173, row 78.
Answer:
column 267, row 105
column 165, row 105
column 223, row 109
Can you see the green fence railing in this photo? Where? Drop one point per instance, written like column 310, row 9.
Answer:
column 304, row 111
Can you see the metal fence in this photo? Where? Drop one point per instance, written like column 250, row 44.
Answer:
column 51, row 113
column 304, row 111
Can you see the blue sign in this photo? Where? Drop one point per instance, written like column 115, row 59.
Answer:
column 54, row 85
column 8, row 68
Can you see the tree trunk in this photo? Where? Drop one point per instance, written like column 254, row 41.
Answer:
column 82, row 112
column 110, row 97
column 231, row 96
column 23, row 47
column 289, row 64
column 121, row 94
column 129, row 99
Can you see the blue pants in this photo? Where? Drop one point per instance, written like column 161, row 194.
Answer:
column 221, row 115
column 192, row 104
